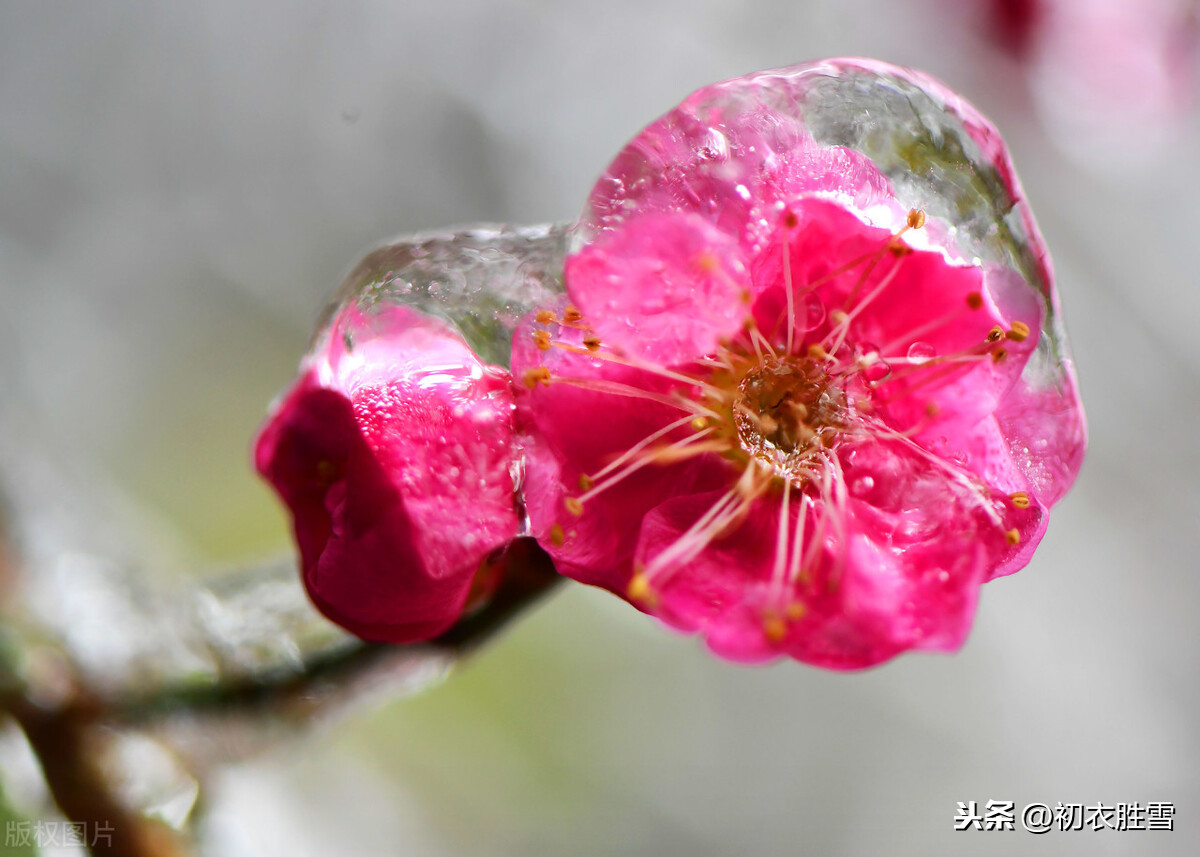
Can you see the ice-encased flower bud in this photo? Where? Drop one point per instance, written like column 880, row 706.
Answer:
column 394, row 452
column 394, row 448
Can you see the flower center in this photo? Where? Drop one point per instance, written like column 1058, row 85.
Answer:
column 776, row 406
column 786, row 409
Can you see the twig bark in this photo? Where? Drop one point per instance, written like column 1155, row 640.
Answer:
column 64, row 736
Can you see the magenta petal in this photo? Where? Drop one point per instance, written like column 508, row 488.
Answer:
column 900, row 571
column 573, row 431
column 723, row 591
column 394, row 457
column 665, row 288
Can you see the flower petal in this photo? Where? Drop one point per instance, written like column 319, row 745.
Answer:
column 665, row 288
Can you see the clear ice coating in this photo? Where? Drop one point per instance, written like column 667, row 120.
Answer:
column 944, row 158
column 940, row 155
column 481, row 279
column 937, row 152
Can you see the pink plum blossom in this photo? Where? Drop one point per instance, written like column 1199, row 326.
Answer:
column 780, row 407
column 1112, row 78
column 394, row 452
column 1013, row 23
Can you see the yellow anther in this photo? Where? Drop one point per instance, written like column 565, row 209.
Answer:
column 975, row 300
column 796, row 611
column 838, row 316
column 557, row 536
column 898, row 248
column 995, row 334
column 707, row 262
column 816, row 352
column 1013, row 537
column 999, row 354
column 1019, row 331
column 535, row 376
column 586, row 482
column 572, row 314
column 700, row 423
column 774, row 627
column 798, row 409
column 932, row 409
column 542, row 339
column 916, row 218
column 746, row 298
column 1020, row 499
column 868, row 359
column 640, row 590
column 591, row 343
column 574, row 506
column 545, row 316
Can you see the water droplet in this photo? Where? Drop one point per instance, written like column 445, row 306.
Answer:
column 811, row 314
column 877, row 370
column 863, row 485
column 920, row 352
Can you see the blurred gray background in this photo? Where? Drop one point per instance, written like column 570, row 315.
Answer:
column 181, row 186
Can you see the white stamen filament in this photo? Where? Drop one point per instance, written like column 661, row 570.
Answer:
column 638, row 464
column 956, row 474
column 843, row 329
column 781, row 540
column 616, row 388
column 639, row 446
column 625, row 360
column 794, row 564
column 697, row 537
